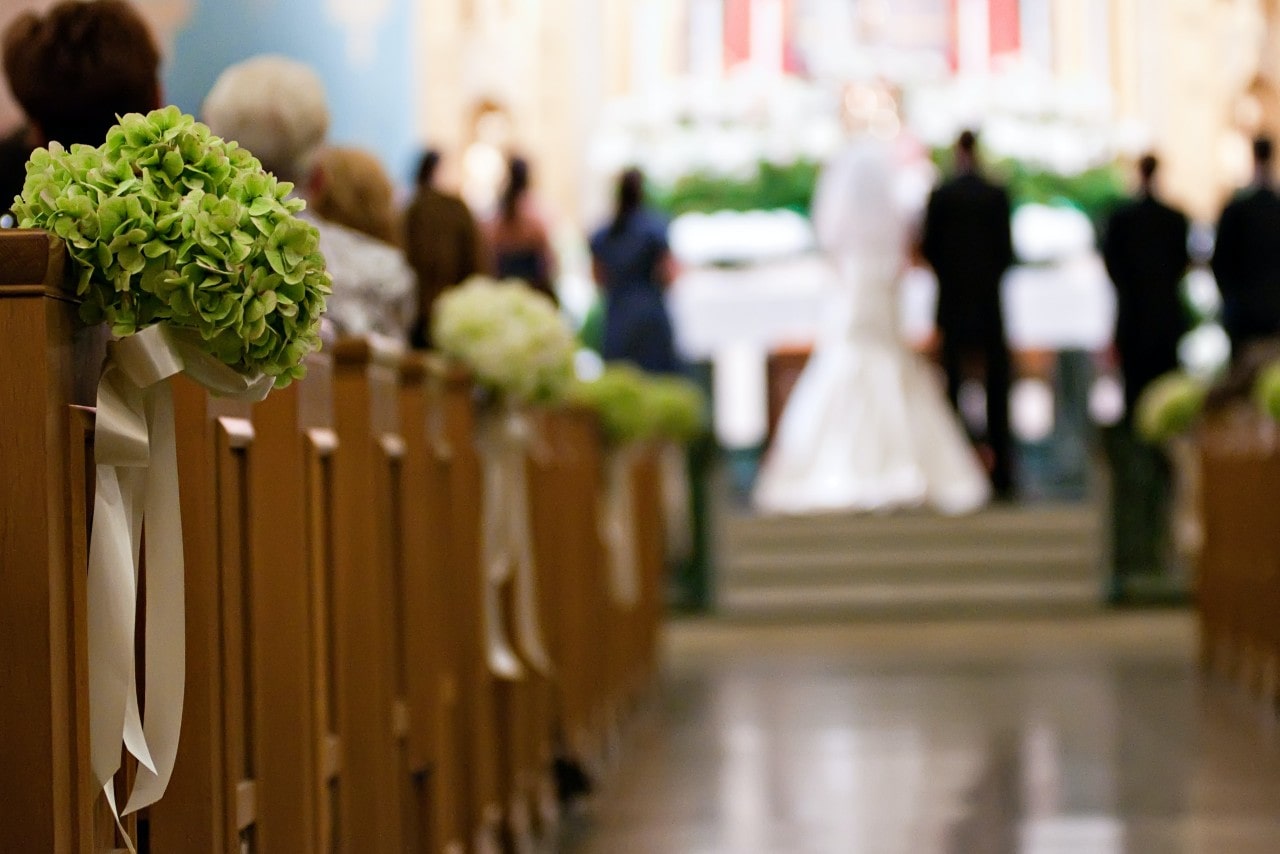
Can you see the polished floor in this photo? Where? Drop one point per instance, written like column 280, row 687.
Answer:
column 1093, row 735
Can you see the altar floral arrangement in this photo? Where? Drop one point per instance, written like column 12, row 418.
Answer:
column 510, row 336
column 634, row 406
column 169, row 224
column 1266, row 390
column 1169, row 406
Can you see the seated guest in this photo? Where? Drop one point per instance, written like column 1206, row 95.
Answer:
column 518, row 237
column 442, row 242
column 73, row 69
column 350, row 187
column 277, row 109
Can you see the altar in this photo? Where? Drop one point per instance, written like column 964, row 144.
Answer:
column 734, row 317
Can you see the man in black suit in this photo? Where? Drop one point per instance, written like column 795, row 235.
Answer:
column 1246, row 259
column 968, row 243
column 1145, row 250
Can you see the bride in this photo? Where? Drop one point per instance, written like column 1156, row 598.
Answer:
column 867, row 426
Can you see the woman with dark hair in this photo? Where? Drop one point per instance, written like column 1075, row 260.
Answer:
column 518, row 237
column 633, row 265
column 73, row 69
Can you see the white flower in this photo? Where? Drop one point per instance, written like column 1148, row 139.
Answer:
column 511, row 337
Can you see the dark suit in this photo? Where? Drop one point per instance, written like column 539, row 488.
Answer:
column 1146, row 254
column 968, row 243
column 442, row 244
column 1246, row 262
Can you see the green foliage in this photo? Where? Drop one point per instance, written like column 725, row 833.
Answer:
column 1095, row 191
column 1169, row 406
column 1266, row 390
column 167, row 223
column 634, row 406
column 677, row 408
column 770, row 188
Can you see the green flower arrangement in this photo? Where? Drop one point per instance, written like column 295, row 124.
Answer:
column 634, row 406
column 167, row 223
column 677, row 407
column 1266, row 390
column 1169, row 406
column 617, row 396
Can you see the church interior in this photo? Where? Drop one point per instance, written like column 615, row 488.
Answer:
column 583, row 427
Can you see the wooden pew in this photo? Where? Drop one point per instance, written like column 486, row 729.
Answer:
column 48, row 796
column 435, row 767
column 372, row 716
column 567, row 534
column 1239, row 572
column 479, row 792
column 211, row 804
column 292, row 614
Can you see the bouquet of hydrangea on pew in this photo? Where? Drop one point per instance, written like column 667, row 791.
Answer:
column 1169, row 407
column 168, row 224
column 520, row 350
column 511, row 338
column 634, row 409
column 1266, row 390
column 194, row 257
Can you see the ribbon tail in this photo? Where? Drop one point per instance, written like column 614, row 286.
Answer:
column 528, row 622
column 109, row 792
column 503, row 661
column 133, row 482
column 618, row 519
column 166, row 606
column 112, row 599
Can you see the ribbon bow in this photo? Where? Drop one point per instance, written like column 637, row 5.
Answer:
column 135, row 450
column 508, row 547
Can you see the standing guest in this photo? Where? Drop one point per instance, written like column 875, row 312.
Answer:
column 1145, row 250
column 1246, row 258
column 633, row 265
column 518, row 237
column 73, row 69
column 442, row 242
column 277, row 109
column 968, row 243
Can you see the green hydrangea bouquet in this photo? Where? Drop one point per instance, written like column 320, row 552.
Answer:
column 1266, row 390
column 634, row 406
column 1169, row 406
column 167, row 223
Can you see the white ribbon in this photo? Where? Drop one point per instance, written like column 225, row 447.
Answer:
column 617, row 521
column 135, row 449
column 508, row 547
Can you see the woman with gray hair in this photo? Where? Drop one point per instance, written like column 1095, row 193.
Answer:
column 277, row 108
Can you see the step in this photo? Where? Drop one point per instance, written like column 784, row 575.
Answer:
column 912, row 565
column 951, row 599
column 737, row 532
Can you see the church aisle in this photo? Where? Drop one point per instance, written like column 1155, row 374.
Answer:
column 1086, row 736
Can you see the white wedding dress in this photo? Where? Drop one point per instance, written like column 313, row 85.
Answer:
column 867, row 426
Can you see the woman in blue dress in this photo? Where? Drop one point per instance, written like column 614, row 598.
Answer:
column 633, row 265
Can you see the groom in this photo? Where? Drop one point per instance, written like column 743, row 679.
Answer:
column 967, row 241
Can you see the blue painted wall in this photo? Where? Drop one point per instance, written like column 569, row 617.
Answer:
column 372, row 100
